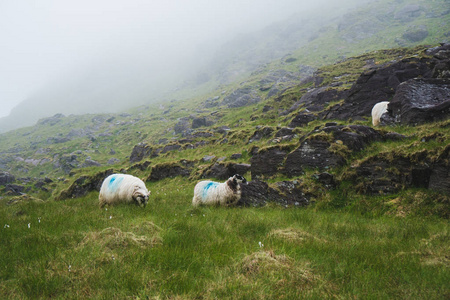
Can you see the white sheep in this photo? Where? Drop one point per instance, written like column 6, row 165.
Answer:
column 123, row 188
column 377, row 111
column 214, row 193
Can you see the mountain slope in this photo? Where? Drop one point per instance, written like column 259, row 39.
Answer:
column 302, row 43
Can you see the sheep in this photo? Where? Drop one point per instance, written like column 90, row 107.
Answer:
column 377, row 111
column 214, row 193
column 123, row 188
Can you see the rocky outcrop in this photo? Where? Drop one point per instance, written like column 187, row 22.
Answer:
column 390, row 172
column 258, row 193
column 51, row 120
column 355, row 137
column 312, row 153
column 267, row 161
column 326, row 179
column 140, row 151
column 170, row 170
column 14, row 189
column 419, row 101
column 380, row 83
column 84, row 184
column 67, row 162
column 6, row 178
column 241, row 97
column 260, row 133
column 302, row 119
column 200, row 122
column 182, row 126
column 316, row 99
column 223, row 171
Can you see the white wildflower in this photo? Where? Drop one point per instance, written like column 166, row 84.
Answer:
column 6, row 226
column 261, row 245
column 110, row 217
column 29, row 225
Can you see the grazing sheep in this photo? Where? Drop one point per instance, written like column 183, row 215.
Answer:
column 118, row 188
column 377, row 111
column 214, row 193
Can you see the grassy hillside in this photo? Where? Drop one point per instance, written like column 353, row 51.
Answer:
column 344, row 244
column 73, row 249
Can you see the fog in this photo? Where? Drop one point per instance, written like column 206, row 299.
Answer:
column 83, row 52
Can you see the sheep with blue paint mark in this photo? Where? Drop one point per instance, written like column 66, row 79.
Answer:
column 123, row 188
column 377, row 111
column 220, row 194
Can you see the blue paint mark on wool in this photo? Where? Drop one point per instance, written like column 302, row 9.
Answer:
column 207, row 187
column 114, row 182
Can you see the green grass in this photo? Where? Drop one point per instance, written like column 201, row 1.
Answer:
column 73, row 249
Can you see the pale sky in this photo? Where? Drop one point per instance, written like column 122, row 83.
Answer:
column 44, row 40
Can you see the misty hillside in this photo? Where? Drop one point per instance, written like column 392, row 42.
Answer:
column 334, row 207
column 261, row 127
column 298, row 45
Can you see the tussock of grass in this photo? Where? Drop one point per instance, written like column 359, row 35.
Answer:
column 24, row 198
column 266, row 275
column 294, row 235
column 113, row 238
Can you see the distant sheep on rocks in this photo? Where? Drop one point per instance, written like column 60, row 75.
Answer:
column 214, row 193
column 377, row 111
column 123, row 188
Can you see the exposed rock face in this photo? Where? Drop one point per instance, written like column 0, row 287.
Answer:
column 377, row 85
column 67, row 162
column 140, row 151
column 258, row 193
column 326, row 179
column 170, row 147
column 52, row 120
column 419, row 101
column 260, row 133
column 323, row 149
column 57, row 140
column 285, row 131
column 380, row 83
column 267, row 161
column 84, row 185
column 391, row 172
column 90, row 163
column 170, row 170
column 202, row 121
column 324, row 152
column 224, row 171
column 6, row 178
column 277, row 80
column 312, row 153
column 355, row 137
column 14, row 189
column 241, row 97
column 182, row 126
column 317, row 98
column 302, row 119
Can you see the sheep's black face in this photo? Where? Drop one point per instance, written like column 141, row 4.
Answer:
column 240, row 179
column 142, row 200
